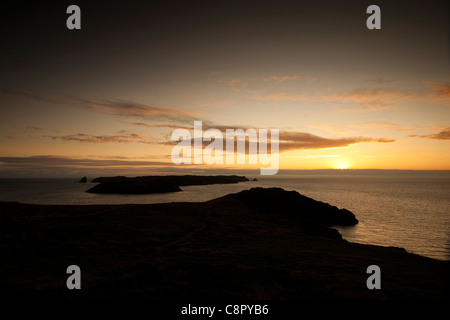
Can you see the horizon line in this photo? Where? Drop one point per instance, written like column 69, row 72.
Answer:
column 252, row 172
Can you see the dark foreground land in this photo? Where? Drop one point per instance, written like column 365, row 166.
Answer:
column 257, row 244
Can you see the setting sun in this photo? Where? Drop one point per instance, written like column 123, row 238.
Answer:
column 341, row 165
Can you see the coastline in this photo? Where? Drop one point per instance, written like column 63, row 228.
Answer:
column 222, row 248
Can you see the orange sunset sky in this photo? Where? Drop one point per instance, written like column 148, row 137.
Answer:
column 105, row 99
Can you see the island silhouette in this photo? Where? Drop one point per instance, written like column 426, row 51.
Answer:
column 156, row 184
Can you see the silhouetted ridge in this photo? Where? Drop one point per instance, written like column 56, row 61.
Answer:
column 278, row 200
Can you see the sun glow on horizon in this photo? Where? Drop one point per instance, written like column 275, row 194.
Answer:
column 342, row 165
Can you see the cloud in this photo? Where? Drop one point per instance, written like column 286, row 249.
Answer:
column 52, row 161
column 371, row 100
column 258, row 88
column 31, row 95
column 280, row 79
column 440, row 92
column 143, row 124
column 380, row 125
column 53, row 166
column 61, row 166
column 290, row 141
column 169, row 126
column 387, row 126
column 34, row 128
column 132, row 109
column 366, row 99
column 237, row 85
column 117, row 108
column 384, row 140
column 205, row 126
column 122, row 137
column 302, row 140
column 380, row 80
column 242, row 85
column 441, row 135
column 281, row 96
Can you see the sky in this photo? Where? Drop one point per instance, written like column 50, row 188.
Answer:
column 106, row 99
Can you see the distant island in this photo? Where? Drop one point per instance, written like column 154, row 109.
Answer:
column 258, row 244
column 156, row 184
column 83, row 180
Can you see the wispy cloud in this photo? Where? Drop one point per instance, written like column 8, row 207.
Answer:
column 441, row 135
column 290, row 141
column 123, row 136
column 238, row 85
column 116, row 108
column 378, row 125
column 440, row 92
column 380, row 80
column 168, row 126
column 258, row 88
column 132, row 109
column 242, row 85
column 272, row 88
column 177, row 118
column 302, row 140
column 364, row 99
column 34, row 128
column 33, row 96
column 280, row 96
column 386, row 126
column 61, row 166
column 49, row 165
column 280, row 79
column 371, row 100
column 52, row 161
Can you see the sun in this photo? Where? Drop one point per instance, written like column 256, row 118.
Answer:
column 341, row 165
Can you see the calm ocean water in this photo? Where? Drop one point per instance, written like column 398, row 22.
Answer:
column 408, row 209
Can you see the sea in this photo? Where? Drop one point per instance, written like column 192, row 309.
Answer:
column 407, row 209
